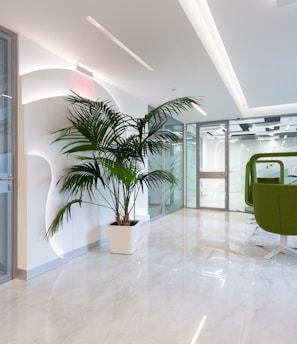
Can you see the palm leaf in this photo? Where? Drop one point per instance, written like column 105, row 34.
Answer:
column 174, row 107
column 63, row 213
column 79, row 178
column 154, row 178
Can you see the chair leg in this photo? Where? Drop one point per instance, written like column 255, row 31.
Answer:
column 253, row 221
column 281, row 248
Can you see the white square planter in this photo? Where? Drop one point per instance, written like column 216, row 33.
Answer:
column 123, row 239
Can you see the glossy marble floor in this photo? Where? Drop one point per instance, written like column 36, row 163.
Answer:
column 198, row 277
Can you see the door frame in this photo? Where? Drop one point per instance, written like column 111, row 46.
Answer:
column 211, row 174
column 12, row 81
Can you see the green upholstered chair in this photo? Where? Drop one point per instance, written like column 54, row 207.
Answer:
column 275, row 204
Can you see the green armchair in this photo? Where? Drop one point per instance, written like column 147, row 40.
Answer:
column 274, row 203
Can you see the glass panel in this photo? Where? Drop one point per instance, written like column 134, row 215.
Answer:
column 5, row 158
column 4, row 237
column 166, row 199
column 212, row 148
column 212, row 193
column 155, row 193
column 174, row 162
column 191, row 166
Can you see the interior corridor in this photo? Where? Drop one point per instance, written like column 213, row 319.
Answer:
column 199, row 276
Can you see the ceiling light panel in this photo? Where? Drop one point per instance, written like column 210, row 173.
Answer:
column 118, row 42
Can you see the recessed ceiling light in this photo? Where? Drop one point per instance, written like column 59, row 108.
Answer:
column 118, row 42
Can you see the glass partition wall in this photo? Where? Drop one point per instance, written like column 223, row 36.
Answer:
column 243, row 138
column 215, row 159
column 168, row 198
column 258, row 135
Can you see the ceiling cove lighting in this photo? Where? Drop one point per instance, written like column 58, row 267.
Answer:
column 118, row 42
column 203, row 23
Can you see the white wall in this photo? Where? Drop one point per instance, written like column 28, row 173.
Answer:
column 45, row 81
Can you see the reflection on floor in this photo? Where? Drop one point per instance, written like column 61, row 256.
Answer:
column 196, row 278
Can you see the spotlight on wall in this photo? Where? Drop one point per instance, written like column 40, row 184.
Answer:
column 83, row 69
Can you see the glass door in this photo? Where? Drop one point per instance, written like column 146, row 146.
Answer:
column 212, row 160
column 7, row 98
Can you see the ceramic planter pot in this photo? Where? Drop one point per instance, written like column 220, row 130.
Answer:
column 123, row 239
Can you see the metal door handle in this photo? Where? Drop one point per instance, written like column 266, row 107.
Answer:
column 6, row 178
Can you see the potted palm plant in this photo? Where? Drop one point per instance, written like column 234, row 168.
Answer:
column 110, row 150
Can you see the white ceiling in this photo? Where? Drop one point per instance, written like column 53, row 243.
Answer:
column 258, row 35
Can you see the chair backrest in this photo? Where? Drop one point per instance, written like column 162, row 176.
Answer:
column 267, row 180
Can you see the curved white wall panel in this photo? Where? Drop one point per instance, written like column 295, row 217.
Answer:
column 38, row 182
column 42, row 117
column 48, row 83
column 44, row 111
column 33, row 57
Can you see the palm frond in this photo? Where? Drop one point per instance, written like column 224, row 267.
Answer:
column 79, row 178
column 95, row 125
column 154, row 178
column 174, row 107
column 125, row 171
column 63, row 213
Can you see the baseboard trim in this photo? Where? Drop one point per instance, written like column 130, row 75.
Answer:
column 28, row 274
column 84, row 249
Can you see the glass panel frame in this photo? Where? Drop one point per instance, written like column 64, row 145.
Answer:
column 212, row 161
column 8, row 113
